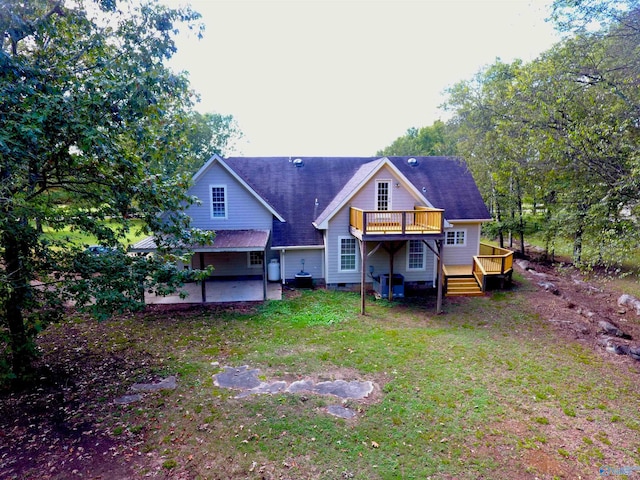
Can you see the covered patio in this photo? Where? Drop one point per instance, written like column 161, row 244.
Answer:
column 239, row 275
column 220, row 291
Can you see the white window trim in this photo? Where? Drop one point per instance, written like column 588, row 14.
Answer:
column 375, row 200
column 226, row 202
column 424, row 257
column 357, row 263
column 463, row 244
column 250, row 265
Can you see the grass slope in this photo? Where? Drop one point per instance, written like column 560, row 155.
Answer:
column 486, row 391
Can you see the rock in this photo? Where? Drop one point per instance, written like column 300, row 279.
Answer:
column 538, row 274
column 301, row 386
column 626, row 300
column 169, row 383
column 549, row 287
column 634, row 352
column 241, row 378
column 126, row 399
column 343, row 389
column 340, row 411
column 524, row 264
column 610, row 329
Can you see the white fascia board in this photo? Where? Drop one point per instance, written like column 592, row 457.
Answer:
column 300, row 247
column 480, row 220
column 223, row 164
column 205, row 167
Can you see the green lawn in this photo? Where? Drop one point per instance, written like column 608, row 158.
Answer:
column 487, row 390
column 81, row 238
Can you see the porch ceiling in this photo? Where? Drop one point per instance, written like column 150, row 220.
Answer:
column 225, row 241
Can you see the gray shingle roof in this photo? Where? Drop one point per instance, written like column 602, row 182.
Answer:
column 225, row 241
column 292, row 191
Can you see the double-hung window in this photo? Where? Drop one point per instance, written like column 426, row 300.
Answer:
column 416, row 255
column 218, row 201
column 456, row 237
column 348, row 255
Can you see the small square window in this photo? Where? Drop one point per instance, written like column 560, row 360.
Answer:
column 456, row 237
column 255, row 259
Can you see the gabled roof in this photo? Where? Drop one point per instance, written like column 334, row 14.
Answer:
column 312, row 191
column 216, row 159
column 362, row 177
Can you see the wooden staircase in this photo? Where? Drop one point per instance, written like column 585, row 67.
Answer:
column 463, row 287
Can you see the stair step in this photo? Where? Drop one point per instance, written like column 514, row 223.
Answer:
column 463, row 287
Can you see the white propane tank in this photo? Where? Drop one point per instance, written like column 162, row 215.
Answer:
column 273, row 270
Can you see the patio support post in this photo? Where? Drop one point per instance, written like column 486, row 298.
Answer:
column 264, row 274
column 363, row 269
column 203, row 286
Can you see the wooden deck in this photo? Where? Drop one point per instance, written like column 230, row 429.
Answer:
column 492, row 263
column 365, row 224
column 457, row 270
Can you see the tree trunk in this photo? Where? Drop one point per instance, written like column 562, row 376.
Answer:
column 520, row 220
column 18, row 290
column 577, row 239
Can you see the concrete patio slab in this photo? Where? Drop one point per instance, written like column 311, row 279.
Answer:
column 219, row 291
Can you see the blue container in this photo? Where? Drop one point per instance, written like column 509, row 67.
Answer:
column 381, row 285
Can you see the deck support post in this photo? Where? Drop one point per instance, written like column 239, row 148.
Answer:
column 440, row 279
column 363, row 269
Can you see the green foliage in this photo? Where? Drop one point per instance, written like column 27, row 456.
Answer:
column 432, row 140
column 559, row 135
column 88, row 112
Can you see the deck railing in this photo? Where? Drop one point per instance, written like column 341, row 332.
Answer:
column 419, row 221
column 492, row 261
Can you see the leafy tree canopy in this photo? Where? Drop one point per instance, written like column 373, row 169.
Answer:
column 432, row 140
column 87, row 110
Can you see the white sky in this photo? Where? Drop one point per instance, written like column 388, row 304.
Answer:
column 347, row 77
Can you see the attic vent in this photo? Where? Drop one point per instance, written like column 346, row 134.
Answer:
column 412, row 162
column 298, row 162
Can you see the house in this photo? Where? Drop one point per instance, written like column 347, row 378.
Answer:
column 344, row 222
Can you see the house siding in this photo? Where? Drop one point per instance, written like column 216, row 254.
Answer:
column 227, row 264
column 244, row 211
column 339, row 227
column 463, row 255
column 313, row 263
column 401, row 199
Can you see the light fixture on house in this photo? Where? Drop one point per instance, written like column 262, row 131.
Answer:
column 397, row 185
